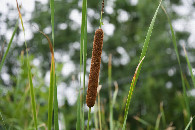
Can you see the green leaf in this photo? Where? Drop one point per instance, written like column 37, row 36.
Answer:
column 177, row 54
column 29, row 74
column 83, row 54
column 189, row 66
column 144, row 50
column 9, row 45
column 190, row 122
column 56, row 124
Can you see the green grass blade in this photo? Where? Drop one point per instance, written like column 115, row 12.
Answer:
column 110, row 90
column 189, row 66
column 99, row 112
column 56, row 124
column 78, row 126
column 177, row 54
column 33, row 103
column 144, row 50
column 158, row 122
column 95, row 116
column 51, row 93
column 89, row 113
column 142, row 121
column 190, row 122
column 32, row 94
column 9, row 45
column 115, row 93
column 83, row 52
column 163, row 114
column 130, row 93
column 52, row 18
column 145, row 47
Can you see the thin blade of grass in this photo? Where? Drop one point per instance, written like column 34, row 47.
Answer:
column 56, row 124
column 115, row 93
column 78, row 126
column 99, row 110
column 52, row 18
column 190, row 122
column 83, row 53
column 110, row 90
column 33, row 103
column 163, row 114
column 9, row 45
column 142, row 121
column 51, row 93
column 189, row 66
column 2, row 50
column 158, row 121
column 89, row 115
column 177, row 54
column 52, row 83
column 144, row 50
column 130, row 93
column 95, row 117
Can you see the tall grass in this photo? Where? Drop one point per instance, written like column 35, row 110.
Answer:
column 9, row 45
column 136, row 75
column 178, row 59
column 29, row 74
column 189, row 66
column 83, row 56
column 56, row 125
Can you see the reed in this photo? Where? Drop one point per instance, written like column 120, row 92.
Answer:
column 95, row 68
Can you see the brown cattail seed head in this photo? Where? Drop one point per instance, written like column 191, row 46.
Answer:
column 95, row 68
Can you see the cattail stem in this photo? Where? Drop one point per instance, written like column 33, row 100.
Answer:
column 95, row 68
column 89, row 114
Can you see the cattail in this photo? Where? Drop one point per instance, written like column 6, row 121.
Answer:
column 102, row 6
column 95, row 68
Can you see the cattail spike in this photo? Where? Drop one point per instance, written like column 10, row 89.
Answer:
column 95, row 68
column 102, row 6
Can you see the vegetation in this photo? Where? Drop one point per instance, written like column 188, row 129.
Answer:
column 161, row 95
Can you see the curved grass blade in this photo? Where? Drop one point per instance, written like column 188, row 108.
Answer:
column 52, row 83
column 133, row 83
column 9, row 45
column 178, row 59
column 190, row 122
column 140, row 64
column 189, row 66
column 33, row 103
column 142, row 121
column 56, row 124
column 158, row 121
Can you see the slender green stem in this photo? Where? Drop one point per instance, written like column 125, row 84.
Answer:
column 110, row 90
column 9, row 45
column 33, row 103
column 99, row 112
column 89, row 114
column 56, row 124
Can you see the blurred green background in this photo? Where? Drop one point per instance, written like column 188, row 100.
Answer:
column 125, row 26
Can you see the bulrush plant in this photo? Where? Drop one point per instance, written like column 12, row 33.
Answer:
column 94, row 88
column 95, row 68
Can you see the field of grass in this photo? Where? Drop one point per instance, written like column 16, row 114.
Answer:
column 95, row 119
